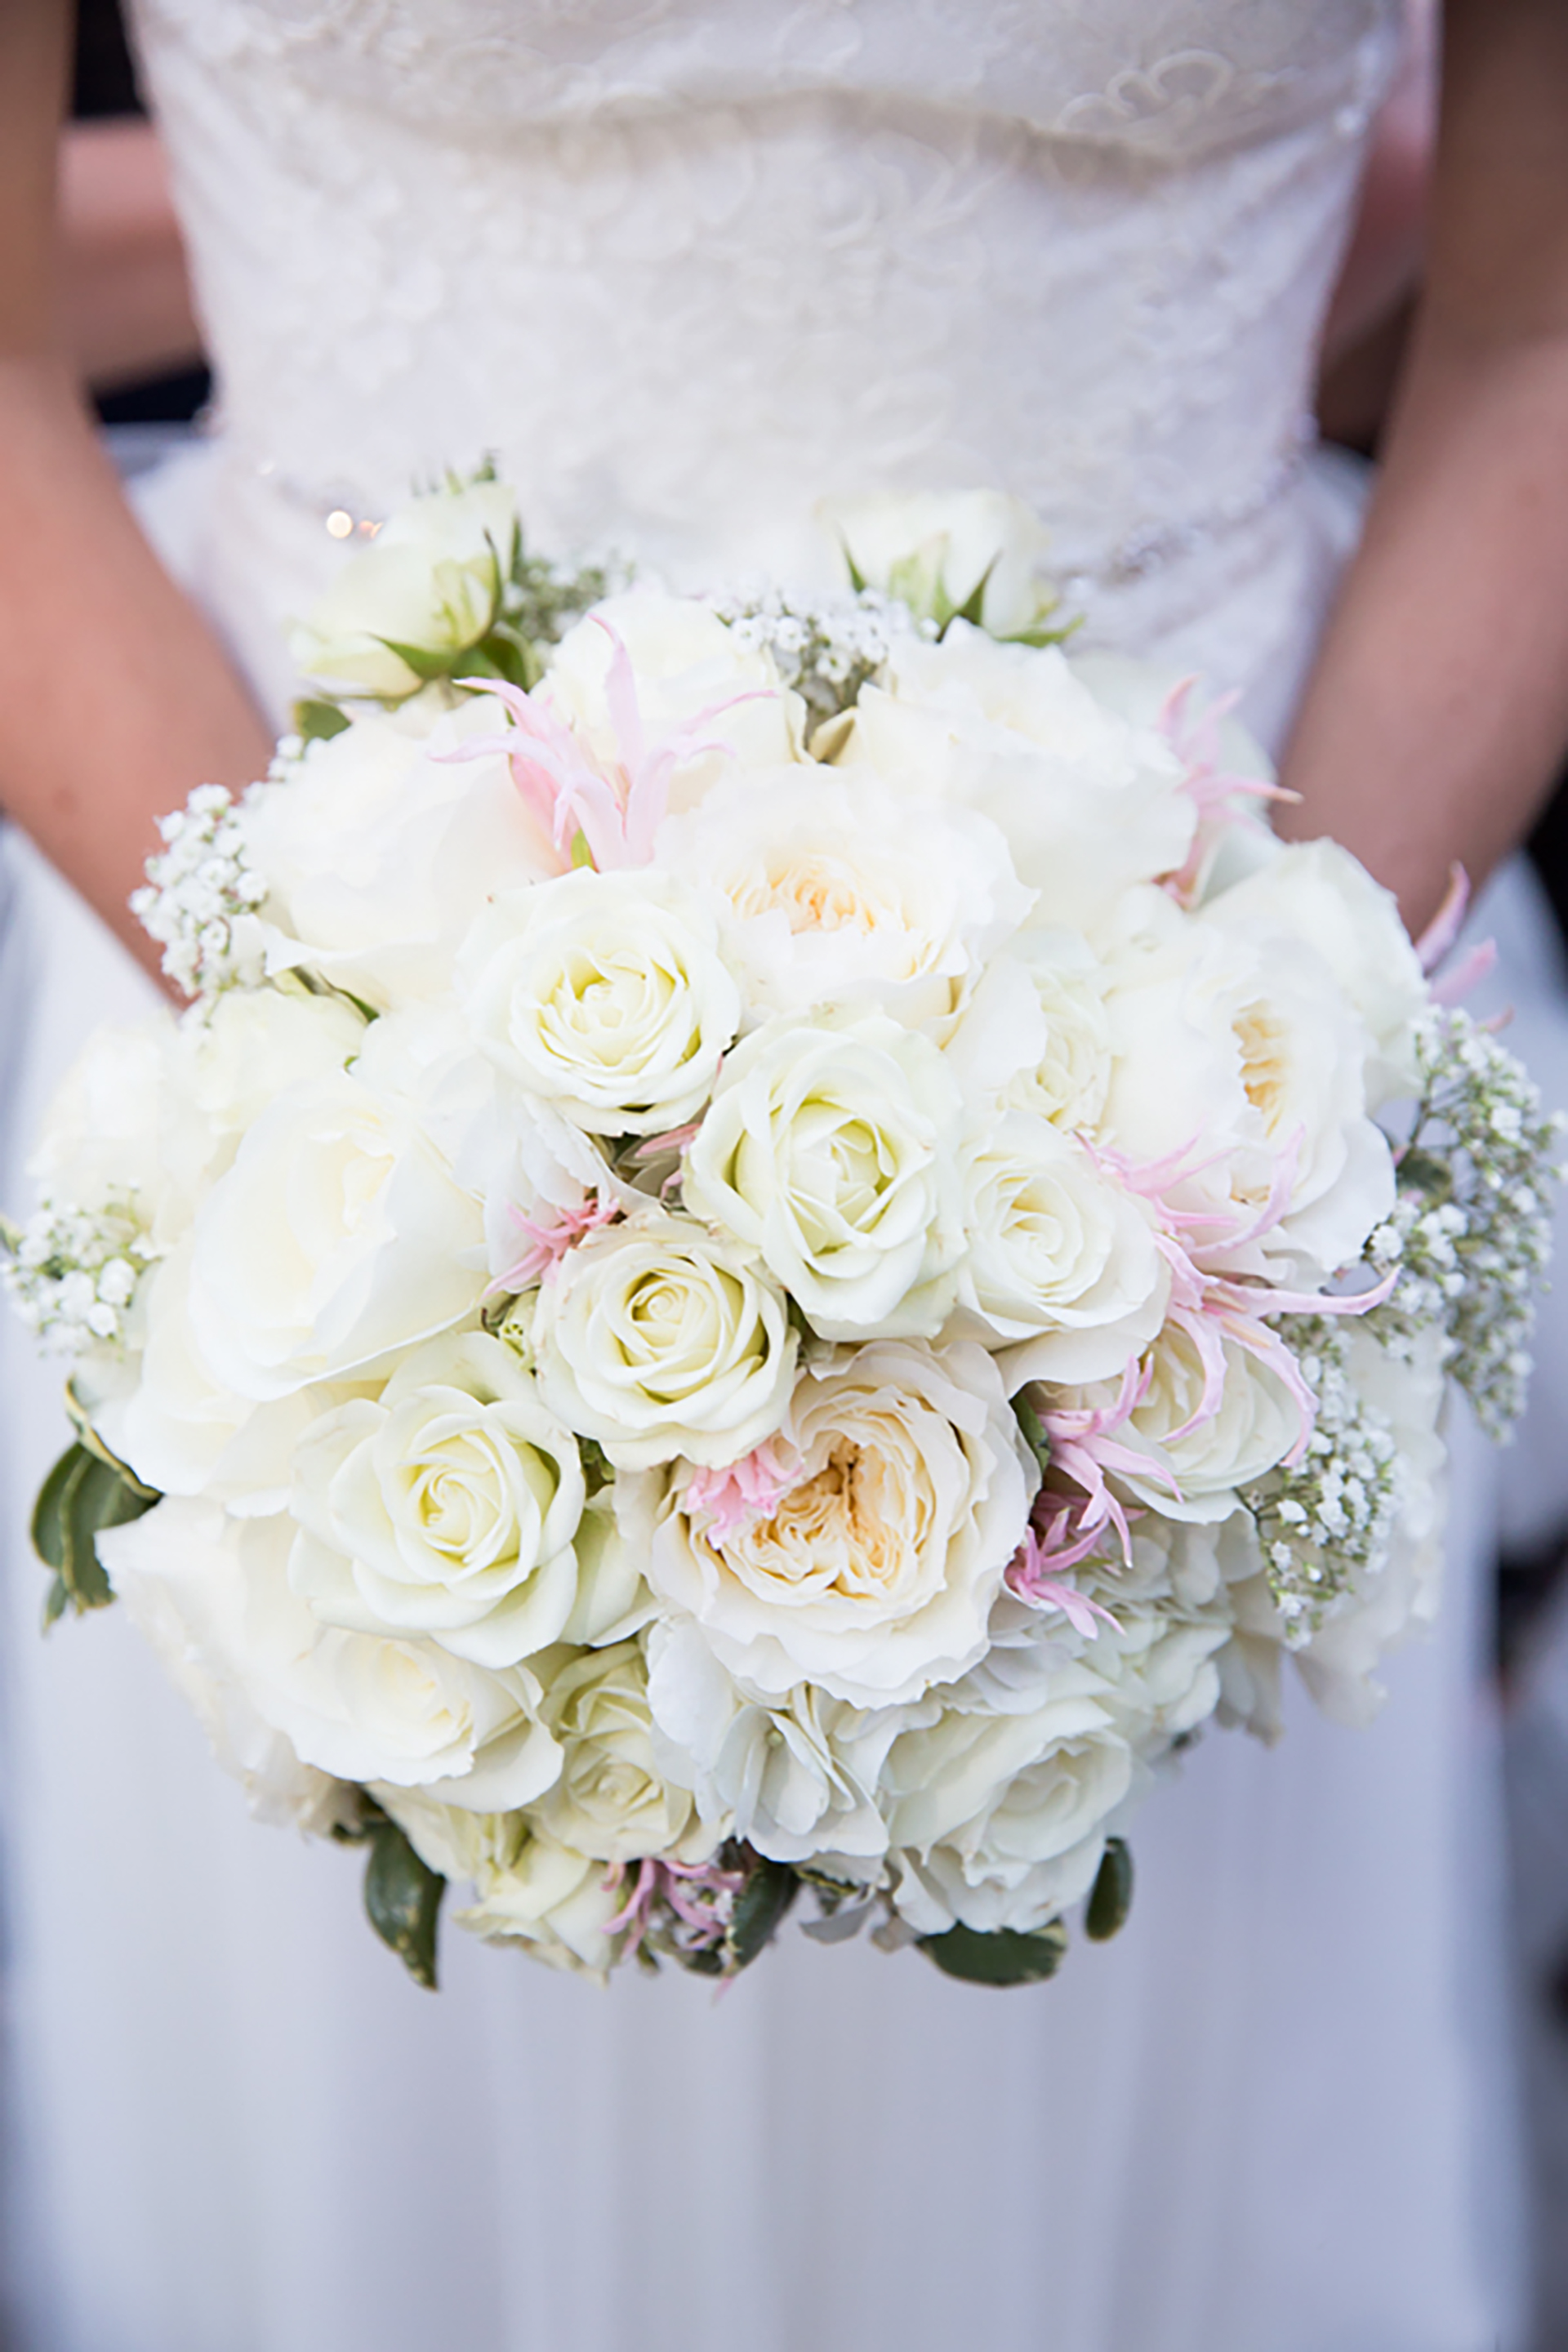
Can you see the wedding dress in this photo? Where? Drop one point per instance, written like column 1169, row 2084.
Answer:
column 687, row 267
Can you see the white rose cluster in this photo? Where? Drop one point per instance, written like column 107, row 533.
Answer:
column 732, row 1286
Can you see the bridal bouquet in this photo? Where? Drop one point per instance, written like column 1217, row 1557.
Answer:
column 781, row 1247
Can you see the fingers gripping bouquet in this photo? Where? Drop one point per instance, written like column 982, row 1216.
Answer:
column 781, row 1247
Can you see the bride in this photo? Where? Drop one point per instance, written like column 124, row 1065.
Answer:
column 690, row 267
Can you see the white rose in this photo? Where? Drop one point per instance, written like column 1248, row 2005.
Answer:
column 175, row 1571
column 612, row 1800
column 1251, row 1053
column 430, row 580
column 831, row 889
column 828, row 1151
column 604, row 995
column 691, row 673
column 796, row 1777
column 1317, row 893
column 938, row 549
column 874, row 1574
column 1090, row 804
column 1060, row 1255
column 447, row 1506
column 560, row 1903
column 656, row 1338
column 1258, row 1423
column 373, row 1707
column 163, row 1411
column 379, row 850
column 1036, row 1035
column 337, row 1236
column 997, row 1820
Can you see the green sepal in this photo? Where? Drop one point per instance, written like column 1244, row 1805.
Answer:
column 582, row 856
column 972, row 609
column 403, row 1900
column 316, row 720
column 759, row 1906
column 1035, row 1437
column 857, row 577
column 86, row 1491
column 506, row 653
column 426, row 664
column 1111, row 1899
column 1003, row 1958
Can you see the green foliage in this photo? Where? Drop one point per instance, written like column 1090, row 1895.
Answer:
column 316, row 720
column 1003, row 1958
column 1110, row 1898
column 87, row 1490
column 759, row 1906
column 403, row 1898
column 1035, row 1437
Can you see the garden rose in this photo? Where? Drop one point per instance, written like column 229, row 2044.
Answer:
column 431, row 580
column 874, row 1574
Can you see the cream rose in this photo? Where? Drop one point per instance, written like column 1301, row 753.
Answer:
column 560, row 1903
column 874, row 1574
column 833, row 889
column 611, row 1800
column 430, row 580
column 938, row 550
column 828, row 1150
column 1256, row 1424
column 659, row 1339
column 1061, row 1256
column 380, row 850
column 796, row 1777
column 1089, row 803
column 997, row 1821
column 446, row 1506
column 1036, row 1036
column 604, row 995
column 337, row 1235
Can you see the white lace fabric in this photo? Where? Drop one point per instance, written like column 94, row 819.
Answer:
column 688, row 265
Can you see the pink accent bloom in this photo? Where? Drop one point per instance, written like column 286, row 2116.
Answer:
column 612, row 817
column 1029, row 1576
column 752, row 1488
column 1195, row 739
column 549, row 1240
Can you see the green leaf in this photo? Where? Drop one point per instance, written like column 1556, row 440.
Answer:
column 972, row 609
column 1110, row 1898
column 425, row 663
column 758, row 1907
column 316, row 721
column 1004, row 1959
column 1035, row 1437
column 402, row 1897
column 86, row 1491
column 509, row 655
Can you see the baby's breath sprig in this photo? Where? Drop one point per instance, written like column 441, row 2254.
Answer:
column 1470, row 1233
column 1325, row 1525
column 826, row 647
column 71, row 1273
column 201, row 895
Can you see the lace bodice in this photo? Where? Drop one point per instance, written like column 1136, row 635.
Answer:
column 688, row 265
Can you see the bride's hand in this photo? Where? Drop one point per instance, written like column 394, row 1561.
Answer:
column 1438, row 712
column 115, row 698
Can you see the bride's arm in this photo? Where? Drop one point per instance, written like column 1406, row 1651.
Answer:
column 114, row 697
column 1438, row 711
